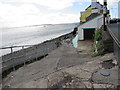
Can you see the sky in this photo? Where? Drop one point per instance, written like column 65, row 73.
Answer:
column 15, row 13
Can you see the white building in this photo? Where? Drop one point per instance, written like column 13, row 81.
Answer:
column 86, row 30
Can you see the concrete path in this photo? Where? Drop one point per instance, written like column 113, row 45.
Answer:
column 64, row 67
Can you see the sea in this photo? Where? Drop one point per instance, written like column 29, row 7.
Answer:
column 31, row 35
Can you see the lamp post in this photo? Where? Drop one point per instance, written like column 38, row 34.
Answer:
column 104, row 14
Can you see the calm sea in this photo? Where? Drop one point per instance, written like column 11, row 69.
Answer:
column 32, row 35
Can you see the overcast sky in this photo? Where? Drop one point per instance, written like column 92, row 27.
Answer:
column 34, row 12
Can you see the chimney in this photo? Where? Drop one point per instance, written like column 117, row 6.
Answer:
column 105, row 2
column 105, row 5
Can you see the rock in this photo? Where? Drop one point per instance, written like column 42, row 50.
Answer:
column 114, row 62
column 67, row 84
column 110, row 86
column 65, row 75
column 88, row 84
column 72, row 81
column 108, row 64
column 72, row 77
column 99, row 85
column 7, row 86
column 76, row 71
column 55, row 78
column 103, row 86
column 81, row 85
column 64, row 86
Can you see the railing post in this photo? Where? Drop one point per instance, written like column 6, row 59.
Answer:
column 12, row 59
column 11, row 49
column 36, row 52
column 23, row 54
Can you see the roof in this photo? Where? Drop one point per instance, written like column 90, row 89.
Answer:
column 95, row 7
column 88, row 7
column 99, row 3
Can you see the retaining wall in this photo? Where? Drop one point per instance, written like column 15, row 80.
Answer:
column 36, row 51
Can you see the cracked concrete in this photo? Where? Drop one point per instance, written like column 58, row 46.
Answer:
column 64, row 68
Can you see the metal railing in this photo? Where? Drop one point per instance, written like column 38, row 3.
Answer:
column 12, row 47
column 33, row 52
column 24, row 55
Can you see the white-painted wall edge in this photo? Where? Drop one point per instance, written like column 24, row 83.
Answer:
column 80, row 34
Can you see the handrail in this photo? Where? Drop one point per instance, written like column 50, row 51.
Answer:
column 17, row 46
column 114, row 37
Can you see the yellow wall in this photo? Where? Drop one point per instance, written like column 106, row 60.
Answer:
column 86, row 14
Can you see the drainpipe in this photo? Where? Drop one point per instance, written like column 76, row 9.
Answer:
column 104, row 14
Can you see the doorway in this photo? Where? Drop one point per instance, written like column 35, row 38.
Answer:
column 89, row 33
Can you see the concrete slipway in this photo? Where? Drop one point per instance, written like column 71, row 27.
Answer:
column 66, row 67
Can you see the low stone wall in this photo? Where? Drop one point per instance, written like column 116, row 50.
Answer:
column 34, row 52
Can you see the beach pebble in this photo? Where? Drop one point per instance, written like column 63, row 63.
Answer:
column 67, row 84
column 72, row 81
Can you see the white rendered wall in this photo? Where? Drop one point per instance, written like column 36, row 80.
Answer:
column 95, row 11
column 94, row 23
column 80, row 34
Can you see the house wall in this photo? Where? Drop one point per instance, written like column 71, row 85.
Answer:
column 90, row 10
column 97, row 5
column 96, row 22
column 80, row 34
column 95, row 11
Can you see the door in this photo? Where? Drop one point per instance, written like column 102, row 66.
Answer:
column 89, row 34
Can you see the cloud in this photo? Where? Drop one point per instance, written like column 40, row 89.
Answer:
column 29, row 14
column 111, row 3
column 55, row 4
column 13, row 15
column 51, row 4
column 32, row 12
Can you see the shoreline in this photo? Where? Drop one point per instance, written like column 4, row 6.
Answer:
column 61, row 37
column 35, row 52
